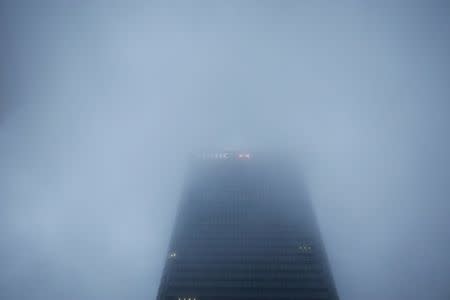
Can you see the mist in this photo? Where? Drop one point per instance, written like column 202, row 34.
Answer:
column 102, row 103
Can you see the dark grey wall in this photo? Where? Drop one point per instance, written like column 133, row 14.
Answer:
column 101, row 103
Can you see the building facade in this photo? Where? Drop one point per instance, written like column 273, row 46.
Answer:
column 245, row 229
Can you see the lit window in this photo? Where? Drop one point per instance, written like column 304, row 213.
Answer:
column 173, row 255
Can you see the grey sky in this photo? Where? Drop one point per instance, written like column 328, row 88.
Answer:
column 102, row 102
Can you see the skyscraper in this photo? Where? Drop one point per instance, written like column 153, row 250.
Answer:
column 245, row 230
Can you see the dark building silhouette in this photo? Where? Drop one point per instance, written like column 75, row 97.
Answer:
column 245, row 230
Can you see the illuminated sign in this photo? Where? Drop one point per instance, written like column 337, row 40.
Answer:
column 243, row 155
column 225, row 156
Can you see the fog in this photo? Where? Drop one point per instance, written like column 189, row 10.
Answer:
column 101, row 104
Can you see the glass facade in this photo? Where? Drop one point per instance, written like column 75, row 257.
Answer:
column 245, row 229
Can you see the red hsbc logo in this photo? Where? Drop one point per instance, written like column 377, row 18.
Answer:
column 243, row 156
